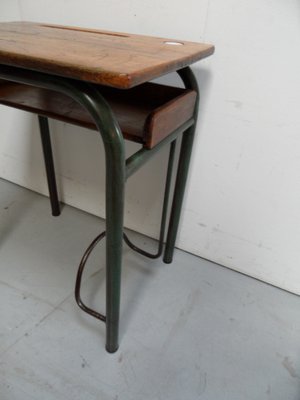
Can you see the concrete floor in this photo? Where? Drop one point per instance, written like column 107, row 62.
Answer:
column 189, row 330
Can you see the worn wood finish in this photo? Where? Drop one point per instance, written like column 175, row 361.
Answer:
column 146, row 113
column 114, row 59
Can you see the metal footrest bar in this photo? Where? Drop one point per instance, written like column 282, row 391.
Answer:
column 79, row 277
column 127, row 240
column 141, row 251
column 84, row 260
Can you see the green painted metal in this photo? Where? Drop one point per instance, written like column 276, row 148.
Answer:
column 138, row 159
column 87, row 95
column 190, row 82
column 49, row 165
column 164, row 211
column 82, row 265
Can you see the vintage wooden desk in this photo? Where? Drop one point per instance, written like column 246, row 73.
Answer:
column 100, row 80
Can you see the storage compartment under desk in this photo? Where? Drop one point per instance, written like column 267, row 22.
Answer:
column 146, row 113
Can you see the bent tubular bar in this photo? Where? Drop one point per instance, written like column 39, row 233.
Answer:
column 94, row 243
column 82, row 264
column 89, row 98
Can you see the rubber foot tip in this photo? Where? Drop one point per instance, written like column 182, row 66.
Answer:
column 56, row 213
column 109, row 350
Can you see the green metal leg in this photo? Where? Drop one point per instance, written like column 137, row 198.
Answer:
column 190, row 82
column 112, row 138
column 115, row 183
column 49, row 165
column 115, row 188
column 182, row 172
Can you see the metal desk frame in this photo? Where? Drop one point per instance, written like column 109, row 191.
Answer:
column 118, row 170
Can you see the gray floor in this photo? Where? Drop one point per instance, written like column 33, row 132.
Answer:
column 190, row 330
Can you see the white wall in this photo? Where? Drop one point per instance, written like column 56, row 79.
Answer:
column 242, row 207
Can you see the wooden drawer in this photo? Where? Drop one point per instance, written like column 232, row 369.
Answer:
column 146, row 113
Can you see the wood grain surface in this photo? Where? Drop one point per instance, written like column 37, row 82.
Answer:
column 114, row 59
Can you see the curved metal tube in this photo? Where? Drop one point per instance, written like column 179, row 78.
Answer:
column 84, row 93
column 82, row 264
column 89, row 97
